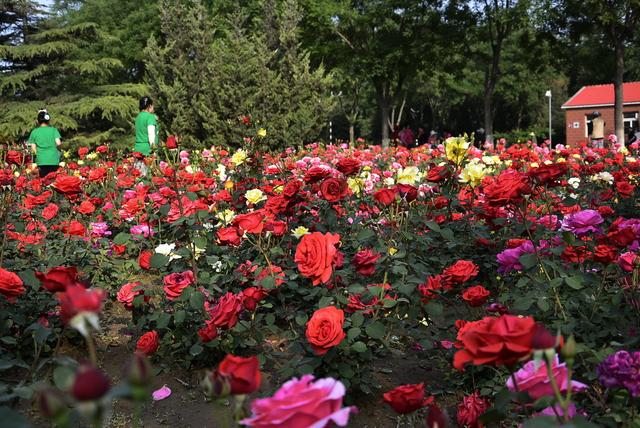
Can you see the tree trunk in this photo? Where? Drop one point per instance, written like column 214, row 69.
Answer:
column 488, row 114
column 384, row 122
column 619, row 101
column 352, row 134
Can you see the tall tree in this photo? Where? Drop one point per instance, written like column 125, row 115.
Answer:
column 617, row 20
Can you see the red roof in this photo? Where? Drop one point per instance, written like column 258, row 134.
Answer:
column 602, row 96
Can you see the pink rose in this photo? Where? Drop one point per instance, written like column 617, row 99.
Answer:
column 535, row 381
column 627, row 261
column 302, row 403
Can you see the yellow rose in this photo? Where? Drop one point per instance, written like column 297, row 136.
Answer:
column 408, row 175
column 262, row 132
column 455, row 149
column 299, row 232
column 239, row 157
column 254, row 196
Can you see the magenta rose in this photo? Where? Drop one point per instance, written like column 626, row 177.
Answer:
column 302, row 403
column 535, row 380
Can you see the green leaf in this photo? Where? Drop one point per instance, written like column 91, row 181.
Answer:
column 574, row 282
column 325, row 301
column 353, row 333
column 63, row 377
column 196, row 301
column 12, row 419
column 434, row 309
column 529, row 260
column 301, row 320
column 121, row 238
column 359, row 347
column 364, row 235
column 179, row 317
column 357, row 319
column 29, row 278
column 540, row 422
column 447, row 234
column 196, row 349
column 375, row 330
column 433, row 226
column 159, row 261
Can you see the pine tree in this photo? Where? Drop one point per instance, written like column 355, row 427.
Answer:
column 54, row 69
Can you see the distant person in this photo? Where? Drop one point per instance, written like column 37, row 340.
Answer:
column 634, row 136
column 479, row 137
column 597, row 133
column 433, row 139
column 395, row 135
column 406, row 137
column 45, row 140
column 422, row 138
column 146, row 127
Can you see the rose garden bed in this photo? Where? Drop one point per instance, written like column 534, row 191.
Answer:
column 458, row 286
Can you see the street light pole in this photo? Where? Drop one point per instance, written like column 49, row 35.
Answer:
column 548, row 95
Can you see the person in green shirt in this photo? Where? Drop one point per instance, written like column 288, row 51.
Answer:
column 146, row 127
column 45, row 140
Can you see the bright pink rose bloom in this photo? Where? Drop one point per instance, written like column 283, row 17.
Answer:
column 302, row 403
column 626, row 261
column 535, row 381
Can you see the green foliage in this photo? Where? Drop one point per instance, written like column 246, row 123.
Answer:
column 206, row 85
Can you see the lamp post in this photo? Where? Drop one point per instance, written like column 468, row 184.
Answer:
column 548, row 95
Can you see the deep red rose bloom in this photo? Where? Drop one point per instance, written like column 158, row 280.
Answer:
column 50, row 211
column 77, row 299
column 90, row 383
column 6, row 177
column 324, row 329
column 476, row 296
column 317, row 173
column 252, row 222
column 470, row 409
column 365, row 261
column 605, row 253
column 67, row 184
column 407, row 192
column 508, row 187
column 348, row 166
column 575, row 254
column 548, row 175
column 625, row 189
column 277, row 227
column 291, row 189
column 243, row 374
column 385, row 196
column 148, row 343
column 144, row 260
column 497, row 341
column 252, row 296
column 437, row 174
column 228, row 236
column 58, row 278
column 74, row 228
column 316, row 256
column 334, row 189
column 11, row 286
column 16, row 158
column 176, row 282
column 459, row 272
column 407, row 398
column 433, row 283
column 86, row 207
column 97, row 174
column 225, row 312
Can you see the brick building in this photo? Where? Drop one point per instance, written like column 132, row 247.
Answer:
column 578, row 110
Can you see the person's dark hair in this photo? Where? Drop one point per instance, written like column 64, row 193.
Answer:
column 43, row 117
column 596, row 114
column 145, row 102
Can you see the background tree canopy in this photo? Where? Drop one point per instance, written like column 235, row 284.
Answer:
column 223, row 70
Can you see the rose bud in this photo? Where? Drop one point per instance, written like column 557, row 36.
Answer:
column 51, row 403
column 569, row 350
column 436, row 418
column 90, row 383
column 215, row 385
column 139, row 370
column 542, row 339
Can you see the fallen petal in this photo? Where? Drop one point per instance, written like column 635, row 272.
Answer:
column 161, row 393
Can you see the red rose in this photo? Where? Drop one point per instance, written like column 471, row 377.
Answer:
column 118, row 249
column 82, row 152
column 575, row 254
column 438, row 173
column 433, row 283
column 11, row 286
column 77, row 299
column 252, row 296
column 277, row 227
column 228, row 236
column 459, row 272
column 58, row 278
column 385, row 196
column 605, row 254
column 90, row 383
column 334, row 189
column 324, row 329
column 625, row 189
column 476, row 296
column 317, row 173
column 128, row 293
column 86, row 208
column 250, row 222
column 508, row 187
column 291, row 189
column 316, row 255
column 503, row 340
column 50, row 211
column 6, row 177
column 470, row 409
column 144, row 260
column 67, row 184
column 548, row 175
column 16, row 157
column 74, row 228
column 407, row 192
column 148, row 343
column 223, row 315
column 407, row 398
column 365, row 261
column 348, row 166
column 176, row 282
column 243, row 374
column 97, row 174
